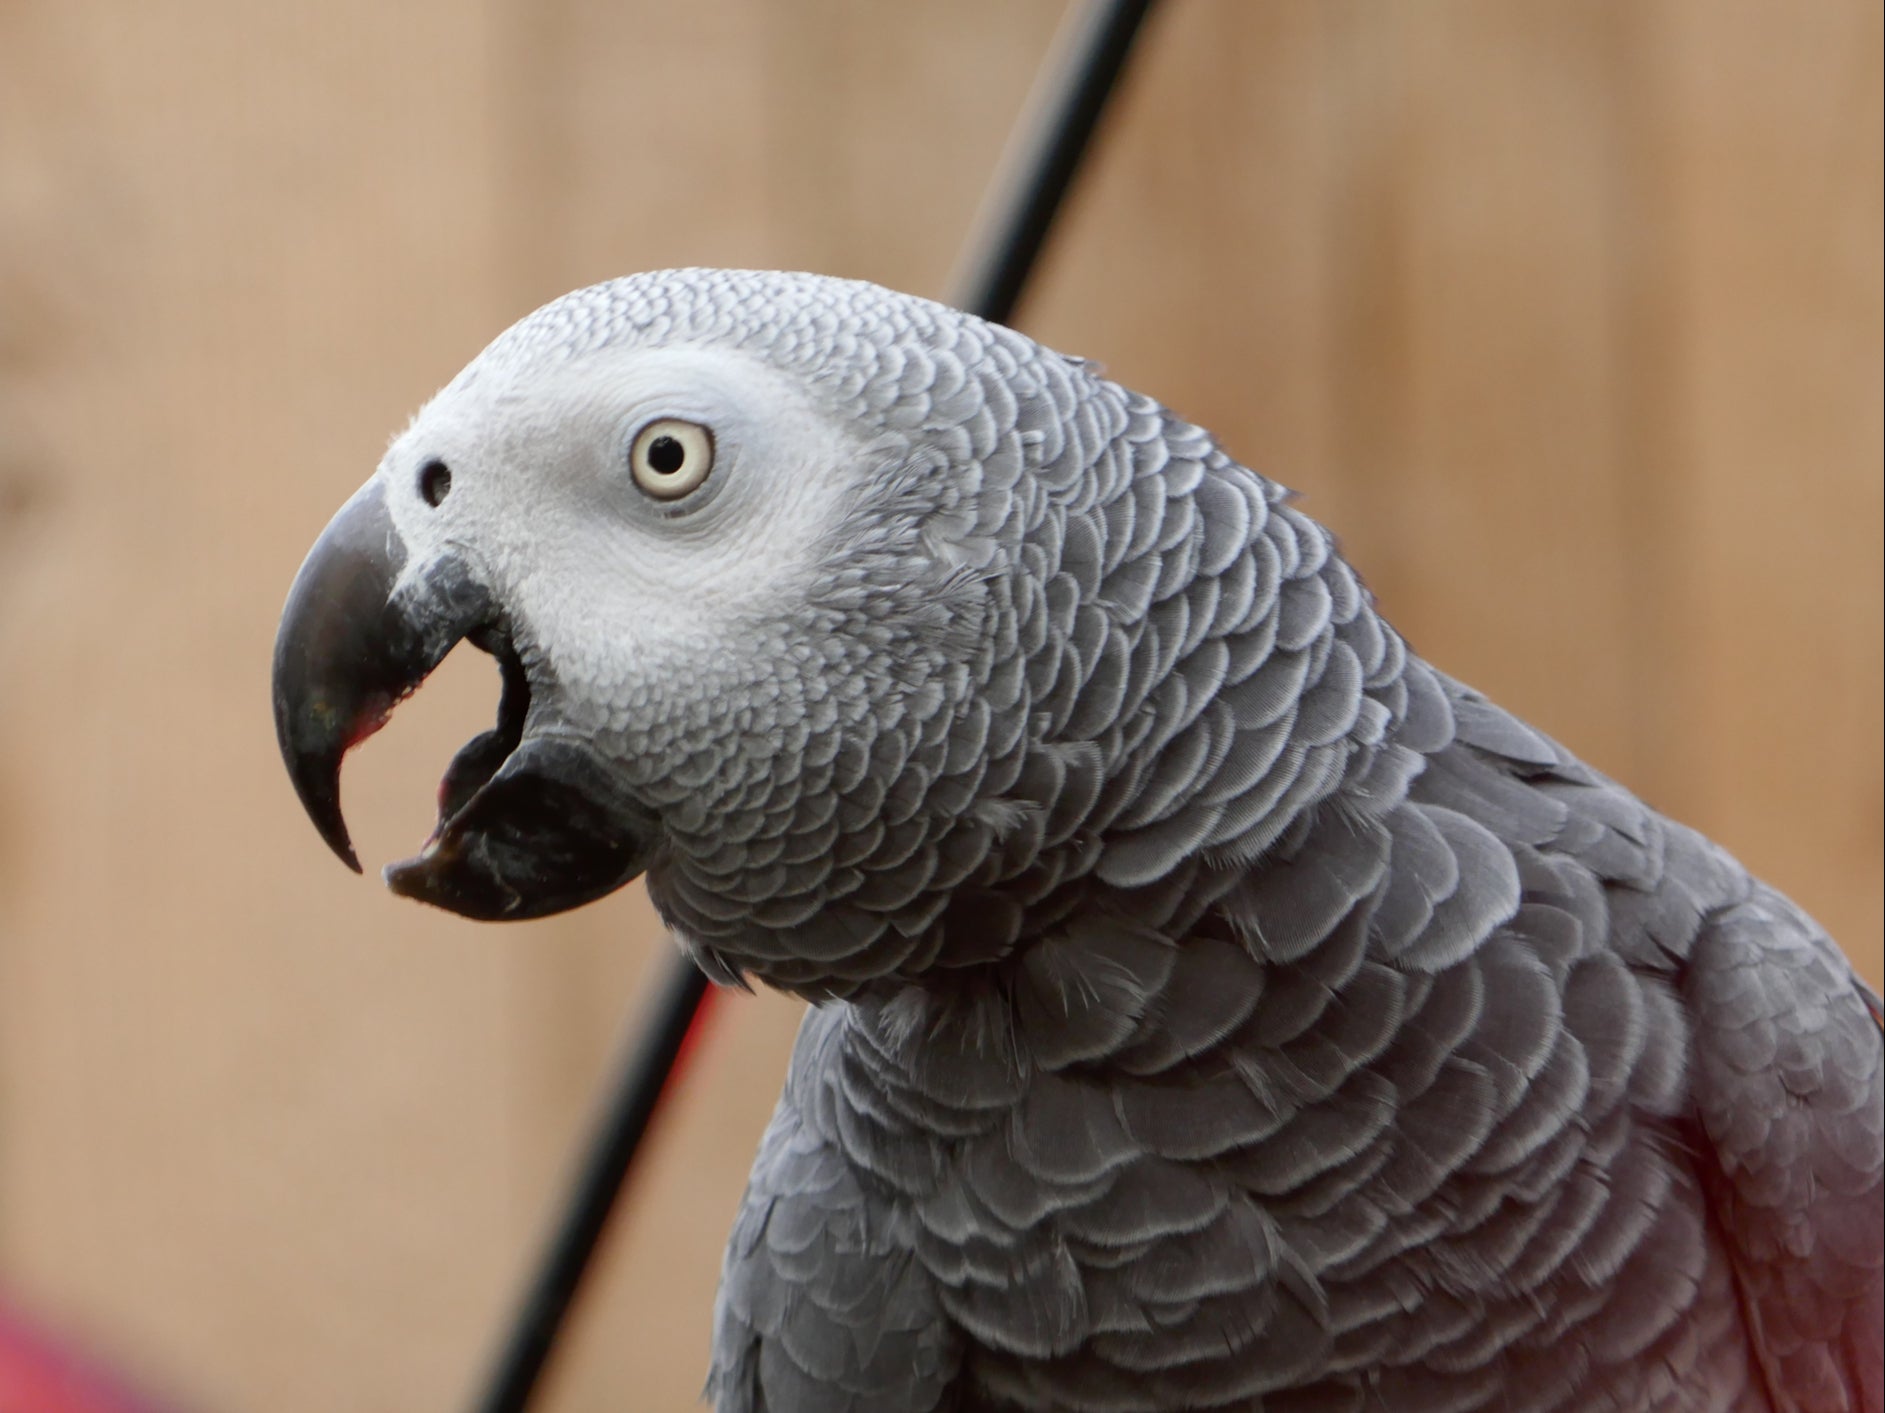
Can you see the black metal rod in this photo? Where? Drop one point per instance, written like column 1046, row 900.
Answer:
column 1038, row 168
column 1044, row 155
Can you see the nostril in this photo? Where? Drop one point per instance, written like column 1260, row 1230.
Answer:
column 435, row 482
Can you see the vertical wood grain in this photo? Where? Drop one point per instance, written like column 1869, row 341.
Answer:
column 246, row 1143
column 1771, row 126
column 1566, row 316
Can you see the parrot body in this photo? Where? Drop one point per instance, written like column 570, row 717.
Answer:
column 1218, row 1007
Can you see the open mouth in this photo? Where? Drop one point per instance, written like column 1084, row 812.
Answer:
column 527, row 825
column 484, row 754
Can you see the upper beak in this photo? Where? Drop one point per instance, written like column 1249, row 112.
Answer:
column 348, row 652
column 526, row 826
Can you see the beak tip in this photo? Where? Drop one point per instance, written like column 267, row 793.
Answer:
column 316, row 778
column 419, row 879
column 397, row 878
column 335, row 837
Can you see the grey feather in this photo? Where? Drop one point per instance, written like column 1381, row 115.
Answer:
column 1219, row 1008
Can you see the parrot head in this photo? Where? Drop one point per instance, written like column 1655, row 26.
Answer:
column 737, row 542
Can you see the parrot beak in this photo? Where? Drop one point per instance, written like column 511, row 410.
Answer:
column 527, row 826
column 346, row 654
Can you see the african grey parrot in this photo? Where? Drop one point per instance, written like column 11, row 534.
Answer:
column 1217, row 1007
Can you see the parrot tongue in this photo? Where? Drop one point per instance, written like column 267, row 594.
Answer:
column 528, row 826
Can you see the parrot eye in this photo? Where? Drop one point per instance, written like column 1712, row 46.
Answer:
column 435, row 482
column 671, row 457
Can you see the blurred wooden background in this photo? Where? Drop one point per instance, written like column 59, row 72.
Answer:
column 1566, row 315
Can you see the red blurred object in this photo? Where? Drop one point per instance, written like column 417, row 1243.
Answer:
column 38, row 1375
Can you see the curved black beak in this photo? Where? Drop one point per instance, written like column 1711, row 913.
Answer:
column 526, row 826
column 348, row 650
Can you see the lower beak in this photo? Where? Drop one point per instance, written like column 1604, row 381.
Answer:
column 543, row 835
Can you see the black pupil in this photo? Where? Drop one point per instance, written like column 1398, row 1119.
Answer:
column 665, row 455
column 435, row 482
